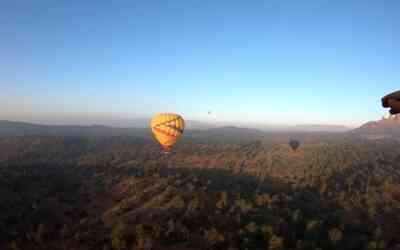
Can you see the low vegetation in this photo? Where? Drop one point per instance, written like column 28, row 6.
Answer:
column 333, row 192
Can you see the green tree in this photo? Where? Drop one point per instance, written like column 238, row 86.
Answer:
column 223, row 200
column 371, row 208
column 117, row 236
column 275, row 243
column 268, row 230
column 194, row 204
column 251, row 227
column 213, row 236
column 313, row 229
column 40, row 234
column 376, row 245
column 14, row 246
column 177, row 202
column 335, row 235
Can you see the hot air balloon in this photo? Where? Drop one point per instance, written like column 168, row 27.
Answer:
column 294, row 144
column 167, row 128
column 392, row 101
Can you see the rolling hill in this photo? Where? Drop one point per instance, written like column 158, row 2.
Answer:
column 140, row 128
column 385, row 127
column 11, row 128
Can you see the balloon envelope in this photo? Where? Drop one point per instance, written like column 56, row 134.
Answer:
column 392, row 101
column 167, row 128
column 294, row 144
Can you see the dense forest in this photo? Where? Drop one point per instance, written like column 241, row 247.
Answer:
column 213, row 191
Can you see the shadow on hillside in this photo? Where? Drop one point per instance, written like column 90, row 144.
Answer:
column 51, row 181
column 304, row 197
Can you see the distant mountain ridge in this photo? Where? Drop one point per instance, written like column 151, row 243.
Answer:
column 292, row 128
column 12, row 128
column 15, row 128
column 234, row 131
column 321, row 128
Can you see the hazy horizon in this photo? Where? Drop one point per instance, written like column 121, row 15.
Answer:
column 124, row 122
column 264, row 62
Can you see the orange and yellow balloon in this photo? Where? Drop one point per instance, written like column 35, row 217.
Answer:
column 167, row 128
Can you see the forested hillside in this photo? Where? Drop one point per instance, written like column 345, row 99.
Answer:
column 211, row 192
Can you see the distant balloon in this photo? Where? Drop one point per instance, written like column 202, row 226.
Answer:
column 392, row 101
column 294, row 144
column 167, row 128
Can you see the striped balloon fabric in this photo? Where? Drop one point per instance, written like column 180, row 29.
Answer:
column 167, row 128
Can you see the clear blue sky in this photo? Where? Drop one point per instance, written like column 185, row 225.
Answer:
column 287, row 62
